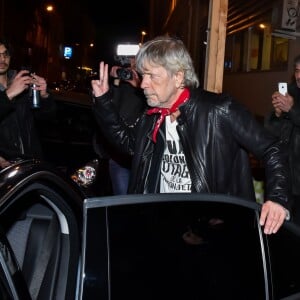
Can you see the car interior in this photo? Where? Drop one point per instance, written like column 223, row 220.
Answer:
column 43, row 235
column 24, row 237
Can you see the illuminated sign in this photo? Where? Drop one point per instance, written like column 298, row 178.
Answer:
column 68, row 51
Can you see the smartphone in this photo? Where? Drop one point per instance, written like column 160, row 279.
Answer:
column 282, row 88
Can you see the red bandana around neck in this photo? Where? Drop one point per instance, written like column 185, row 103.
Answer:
column 184, row 96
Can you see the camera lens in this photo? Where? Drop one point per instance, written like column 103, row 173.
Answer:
column 124, row 74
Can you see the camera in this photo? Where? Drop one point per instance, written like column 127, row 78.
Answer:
column 124, row 74
column 124, row 53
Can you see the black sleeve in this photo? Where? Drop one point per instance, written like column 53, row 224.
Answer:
column 6, row 106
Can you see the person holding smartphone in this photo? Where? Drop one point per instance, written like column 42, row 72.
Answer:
column 18, row 135
column 284, row 122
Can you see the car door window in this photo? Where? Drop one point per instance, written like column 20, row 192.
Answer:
column 284, row 250
column 171, row 250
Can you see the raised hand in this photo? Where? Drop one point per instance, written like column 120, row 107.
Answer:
column 101, row 86
column 20, row 83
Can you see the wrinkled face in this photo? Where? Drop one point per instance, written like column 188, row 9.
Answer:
column 4, row 59
column 297, row 74
column 160, row 88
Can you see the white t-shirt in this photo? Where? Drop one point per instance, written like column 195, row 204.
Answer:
column 175, row 176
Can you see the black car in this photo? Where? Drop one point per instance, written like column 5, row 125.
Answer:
column 70, row 140
column 56, row 243
column 67, row 138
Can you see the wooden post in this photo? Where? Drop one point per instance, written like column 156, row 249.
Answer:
column 216, row 37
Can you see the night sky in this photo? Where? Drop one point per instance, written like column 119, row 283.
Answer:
column 118, row 22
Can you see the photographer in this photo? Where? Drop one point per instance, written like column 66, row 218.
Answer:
column 130, row 102
column 284, row 122
column 18, row 111
column 128, row 96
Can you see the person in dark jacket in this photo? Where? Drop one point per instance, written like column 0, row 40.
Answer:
column 18, row 135
column 192, row 140
column 130, row 102
column 284, row 122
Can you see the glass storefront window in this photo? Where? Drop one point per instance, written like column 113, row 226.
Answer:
column 255, row 49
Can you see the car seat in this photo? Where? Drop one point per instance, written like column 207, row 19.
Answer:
column 36, row 241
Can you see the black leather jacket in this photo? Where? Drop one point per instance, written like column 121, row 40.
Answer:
column 130, row 103
column 18, row 133
column 287, row 127
column 217, row 135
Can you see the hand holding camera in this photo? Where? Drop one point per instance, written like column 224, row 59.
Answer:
column 125, row 74
column 34, row 93
column 122, row 73
column 125, row 68
column 23, row 80
column 20, row 82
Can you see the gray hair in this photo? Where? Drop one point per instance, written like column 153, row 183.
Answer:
column 171, row 54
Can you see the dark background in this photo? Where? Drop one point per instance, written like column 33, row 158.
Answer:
column 117, row 22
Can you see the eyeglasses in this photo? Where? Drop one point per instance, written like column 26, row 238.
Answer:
column 4, row 55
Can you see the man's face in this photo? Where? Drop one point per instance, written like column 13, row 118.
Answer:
column 4, row 60
column 297, row 74
column 160, row 88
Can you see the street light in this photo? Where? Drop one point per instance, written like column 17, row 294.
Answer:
column 143, row 33
column 49, row 8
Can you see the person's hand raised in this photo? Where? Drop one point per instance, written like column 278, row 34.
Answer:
column 282, row 103
column 40, row 84
column 21, row 82
column 101, row 86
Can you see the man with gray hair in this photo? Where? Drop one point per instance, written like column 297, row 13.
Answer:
column 191, row 140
